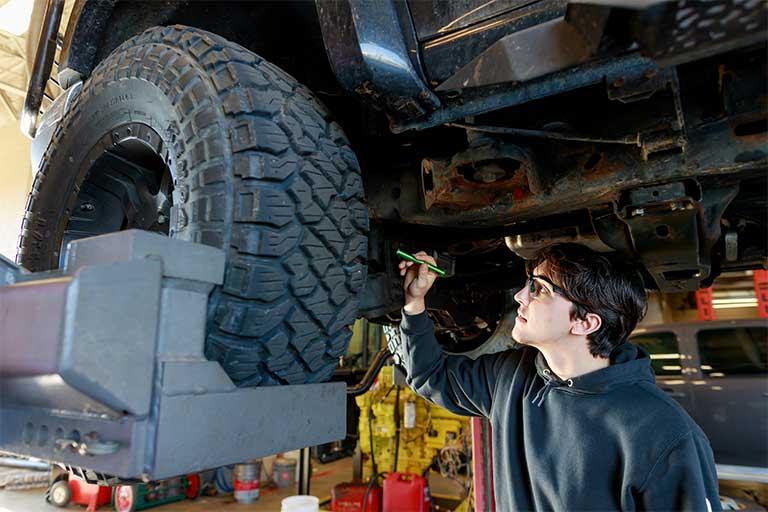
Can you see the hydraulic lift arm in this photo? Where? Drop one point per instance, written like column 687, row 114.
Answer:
column 102, row 367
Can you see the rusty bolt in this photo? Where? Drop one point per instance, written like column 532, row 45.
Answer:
column 619, row 82
column 649, row 73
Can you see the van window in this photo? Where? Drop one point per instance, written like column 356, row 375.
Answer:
column 733, row 351
column 665, row 354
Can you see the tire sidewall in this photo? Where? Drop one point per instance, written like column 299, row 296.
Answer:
column 88, row 130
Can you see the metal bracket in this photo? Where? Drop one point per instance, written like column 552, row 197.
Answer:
column 477, row 177
column 663, row 220
column 522, row 56
column 640, row 84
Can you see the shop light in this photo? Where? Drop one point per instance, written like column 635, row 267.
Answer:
column 735, row 305
column 665, row 356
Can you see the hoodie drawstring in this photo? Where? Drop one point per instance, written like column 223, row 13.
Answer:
column 551, row 383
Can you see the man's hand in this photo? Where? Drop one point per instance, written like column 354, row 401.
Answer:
column 418, row 281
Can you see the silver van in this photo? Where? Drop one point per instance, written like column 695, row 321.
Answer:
column 718, row 371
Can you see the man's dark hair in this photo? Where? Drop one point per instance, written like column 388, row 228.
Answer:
column 596, row 283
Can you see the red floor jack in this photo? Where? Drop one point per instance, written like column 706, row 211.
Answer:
column 69, row 488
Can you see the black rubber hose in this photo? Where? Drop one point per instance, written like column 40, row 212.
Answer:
column 374, row 478
column 374, row 468
column 397, row 428
column 382, row 356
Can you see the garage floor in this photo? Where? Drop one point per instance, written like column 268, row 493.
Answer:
column 324, row 477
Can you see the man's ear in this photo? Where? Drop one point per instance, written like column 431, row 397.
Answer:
column 587, row 325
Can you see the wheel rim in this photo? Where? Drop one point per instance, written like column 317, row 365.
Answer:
column 127, row 186
column 59, row 494
column 124, row 498
column 193, row 489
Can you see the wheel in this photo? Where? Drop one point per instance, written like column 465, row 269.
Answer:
column 182, row 132
column 193, row 489
column 59, row 494
column 124, row 497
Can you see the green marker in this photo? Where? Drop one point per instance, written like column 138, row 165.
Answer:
column 408, row 257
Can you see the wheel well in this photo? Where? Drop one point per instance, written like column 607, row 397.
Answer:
column 285, row 33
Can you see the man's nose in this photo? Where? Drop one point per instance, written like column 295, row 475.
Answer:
column 522, row 296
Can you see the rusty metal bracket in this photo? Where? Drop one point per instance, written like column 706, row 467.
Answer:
column 477, row 177
column 640, row 84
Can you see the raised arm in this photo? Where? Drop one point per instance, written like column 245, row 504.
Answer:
column 457, row 383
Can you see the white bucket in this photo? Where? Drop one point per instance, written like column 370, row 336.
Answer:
column 300, row 503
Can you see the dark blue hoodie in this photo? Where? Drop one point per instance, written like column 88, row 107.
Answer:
column 606, row 440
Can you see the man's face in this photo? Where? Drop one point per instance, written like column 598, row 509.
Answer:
column 544, row 316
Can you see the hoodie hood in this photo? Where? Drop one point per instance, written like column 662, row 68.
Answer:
column 628, row 364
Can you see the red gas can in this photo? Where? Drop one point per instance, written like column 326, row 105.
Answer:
column 348, row 497
column 406, row 491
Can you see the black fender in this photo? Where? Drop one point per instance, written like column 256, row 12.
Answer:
column 92, row 34
column 85, row 30
column 374, row 54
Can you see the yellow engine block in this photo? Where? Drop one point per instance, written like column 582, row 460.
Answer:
column 434, row 428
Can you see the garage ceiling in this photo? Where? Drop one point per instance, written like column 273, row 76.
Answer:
column 13, row 74
column 18, row 39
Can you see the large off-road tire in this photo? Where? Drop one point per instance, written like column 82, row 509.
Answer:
column 183, row 132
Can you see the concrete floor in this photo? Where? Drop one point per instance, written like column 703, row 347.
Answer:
column 324, row 477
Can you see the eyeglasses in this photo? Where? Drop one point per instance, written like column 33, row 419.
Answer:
column 534, row 289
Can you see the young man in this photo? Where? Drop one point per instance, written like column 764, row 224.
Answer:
column 577, row 420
